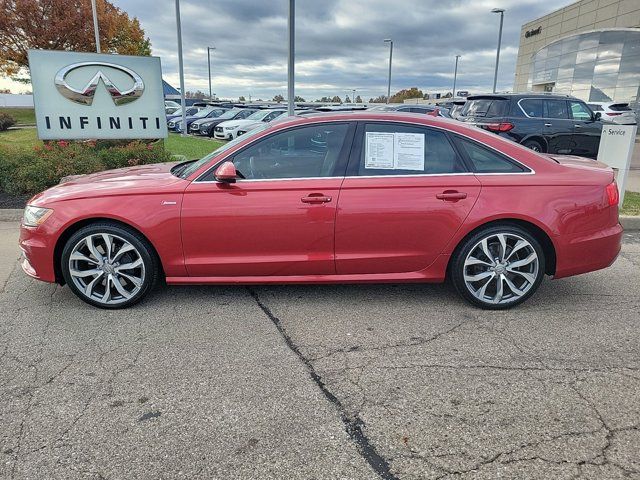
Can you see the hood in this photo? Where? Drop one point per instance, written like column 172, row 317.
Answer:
column 121, row 181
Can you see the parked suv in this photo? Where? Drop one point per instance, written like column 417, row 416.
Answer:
column 545, row 123
column 620, row 113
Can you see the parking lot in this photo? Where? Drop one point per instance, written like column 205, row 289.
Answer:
column 319, row 382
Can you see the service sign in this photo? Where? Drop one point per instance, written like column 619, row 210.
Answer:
column 616, row 150
column 89, row 95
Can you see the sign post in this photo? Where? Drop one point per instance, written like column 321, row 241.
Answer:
column 97, row 96
column 616, row 150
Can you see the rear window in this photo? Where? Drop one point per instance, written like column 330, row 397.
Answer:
column 487, row 160
column 595, row 108
column 620, row 107
column 532, row 107
column 486, row 107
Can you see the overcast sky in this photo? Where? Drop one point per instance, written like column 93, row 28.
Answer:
column 339, row 43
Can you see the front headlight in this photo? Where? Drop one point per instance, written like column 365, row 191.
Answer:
column 231, row 127
column 35, row 216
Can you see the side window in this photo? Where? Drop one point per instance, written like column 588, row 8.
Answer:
column 486, row 160
column 580, row 111
column 532, row 107
column 245, row 113
column 311, row 151
column 419, row 110
column 395, row 149
column 555, row 109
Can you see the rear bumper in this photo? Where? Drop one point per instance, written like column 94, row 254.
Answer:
column 586, row 252
column 37, row 254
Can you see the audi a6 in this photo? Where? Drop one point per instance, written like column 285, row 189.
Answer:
column 331, row 198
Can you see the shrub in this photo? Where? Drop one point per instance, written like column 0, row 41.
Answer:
column 6, row 121
column 31, row 171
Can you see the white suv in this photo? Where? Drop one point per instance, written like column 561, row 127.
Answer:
column 613, row 112
column 229, row 130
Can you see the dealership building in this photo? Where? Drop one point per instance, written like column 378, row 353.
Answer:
column 589, row 49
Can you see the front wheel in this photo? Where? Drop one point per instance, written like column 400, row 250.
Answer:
column 108, row 265
column 498, row 267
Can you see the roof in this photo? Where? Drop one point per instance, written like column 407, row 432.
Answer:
column 168, row 89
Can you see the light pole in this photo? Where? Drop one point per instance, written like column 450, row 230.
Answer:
column 209, row 64
column 292, row 61
column 181, row 70
column 455, row 76
column 495, row 75
column 390, row 42
column 95, row 24
column 353, row 97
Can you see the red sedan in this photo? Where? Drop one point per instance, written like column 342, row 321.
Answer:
column 342, row 198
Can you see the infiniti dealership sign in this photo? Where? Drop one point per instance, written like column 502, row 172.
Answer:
column 88, row 95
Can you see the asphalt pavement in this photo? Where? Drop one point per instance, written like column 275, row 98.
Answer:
column 322, row 382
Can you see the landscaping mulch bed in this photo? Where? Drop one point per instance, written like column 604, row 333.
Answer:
column 13, row 201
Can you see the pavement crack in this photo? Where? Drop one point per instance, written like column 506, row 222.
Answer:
column 354, row 425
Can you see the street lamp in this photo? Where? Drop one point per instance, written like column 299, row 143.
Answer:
column 390, row 42
column 495, row 76
column 291, row 27
column 181, row 69
column 209, row 64
column 353, row 97
column 455, row 76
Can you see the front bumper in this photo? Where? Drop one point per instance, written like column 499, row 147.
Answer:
column 586, row 252
column 37, row 253
column 223, row 135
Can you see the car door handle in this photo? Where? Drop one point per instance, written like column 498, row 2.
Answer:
column 451, row 195
column 316, row 198
column 578, row 126
column 548, row 124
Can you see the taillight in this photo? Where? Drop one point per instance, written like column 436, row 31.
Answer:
column 613, row 196
column 499, row 127
column 613, row 114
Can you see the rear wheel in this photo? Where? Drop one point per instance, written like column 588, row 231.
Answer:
column 498, row 267
column 109, row 266
column 534, row 145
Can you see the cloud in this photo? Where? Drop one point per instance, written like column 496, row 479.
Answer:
column 339, row 44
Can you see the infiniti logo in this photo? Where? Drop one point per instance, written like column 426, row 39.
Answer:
column 85, row 94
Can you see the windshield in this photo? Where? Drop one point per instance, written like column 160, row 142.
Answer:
column 184, row 169
column 259, row 115
column 204, row 112
column 229, row 114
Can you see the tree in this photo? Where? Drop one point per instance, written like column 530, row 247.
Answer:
column 336, row 99
column 380, row 99
column 405, row 94
column 347, row 99
column 197, row 94
column 358, row 99
column 298, row 98
column 63, row 25
column 242, row 99
column 324, row 100
column 278, row 98
column 448, row 95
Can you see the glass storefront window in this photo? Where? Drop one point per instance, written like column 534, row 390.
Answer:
column 588, row 55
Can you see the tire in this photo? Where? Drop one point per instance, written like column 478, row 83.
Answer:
column 512, row 279
column 92, row 276
column 534, row 145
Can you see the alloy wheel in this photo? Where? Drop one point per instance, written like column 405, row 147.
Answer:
column 106, row 268
column 501, row 268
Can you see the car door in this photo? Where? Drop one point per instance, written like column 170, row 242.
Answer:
column 558, row 127
column 405, row 195
column 586, row 129
column 278, row 219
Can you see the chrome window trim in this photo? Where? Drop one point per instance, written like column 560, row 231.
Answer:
column 530, row 171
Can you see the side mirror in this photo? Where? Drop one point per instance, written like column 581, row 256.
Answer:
column 597, row 116
column 226, row 173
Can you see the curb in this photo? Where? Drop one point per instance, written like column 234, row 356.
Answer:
column 629, row 223
column 10, row 214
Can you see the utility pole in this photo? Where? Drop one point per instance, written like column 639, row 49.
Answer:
column 181, row 70
column 390, row 42
column 292, row 61
column 495, row 76
column 455, row 76
column 95, row 24
column 209, row 64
